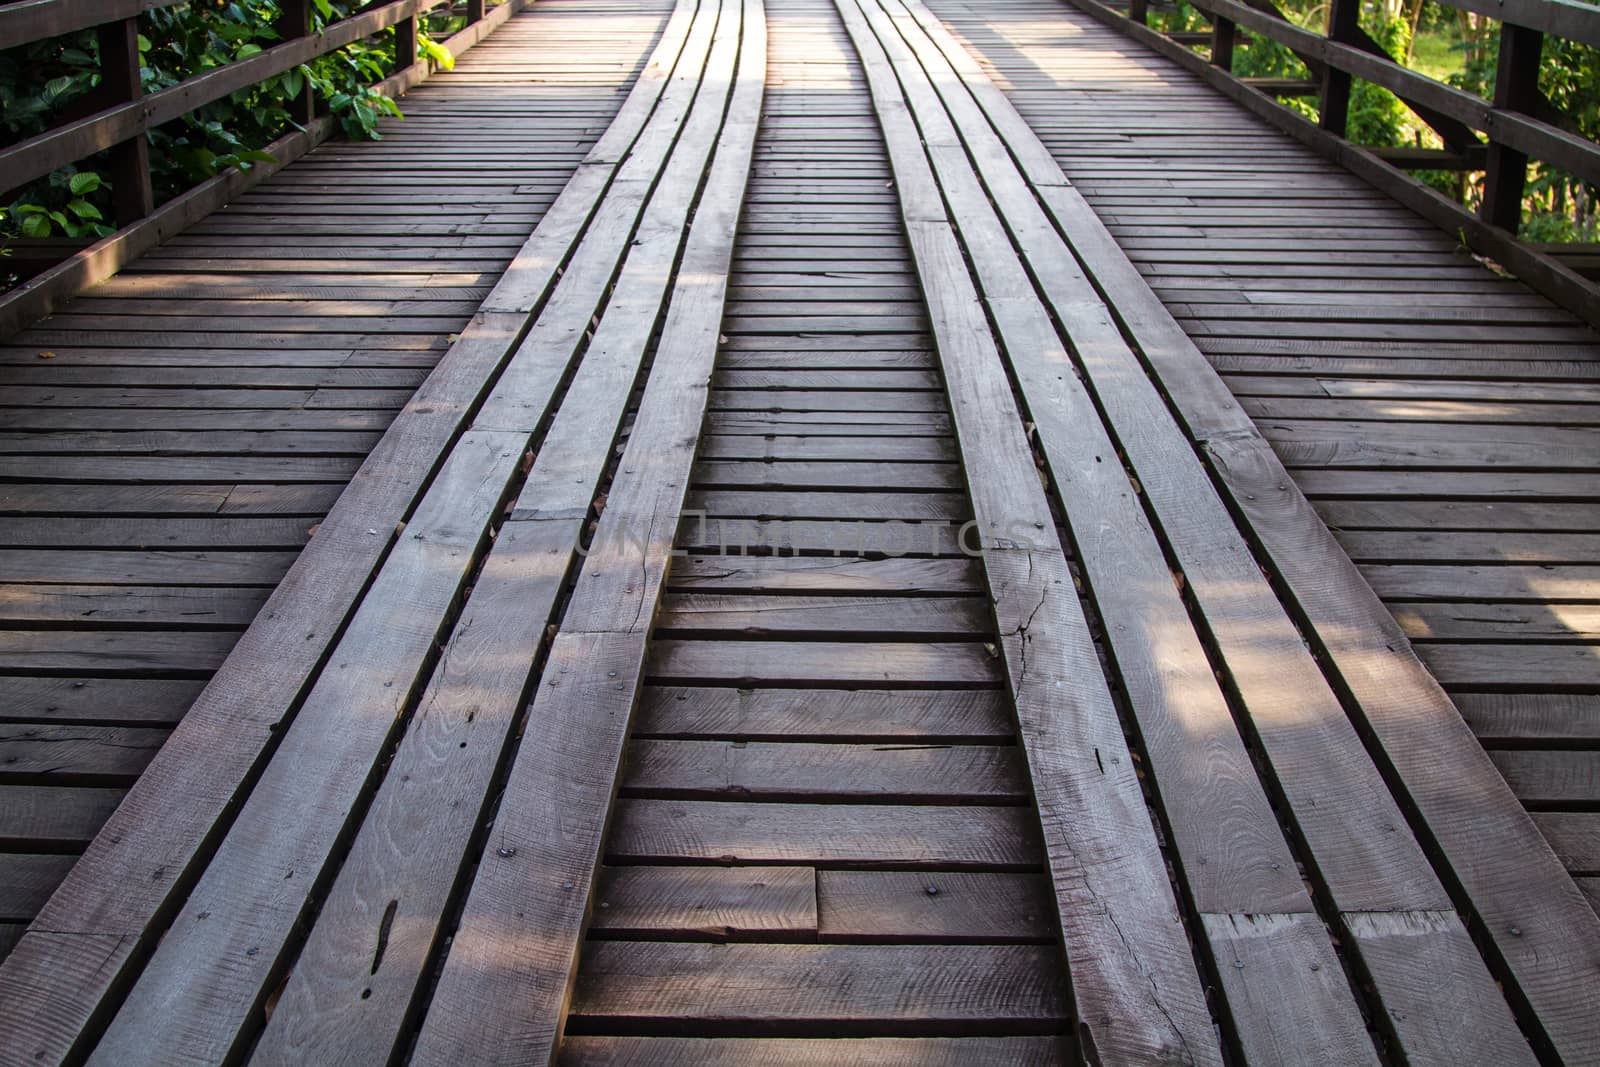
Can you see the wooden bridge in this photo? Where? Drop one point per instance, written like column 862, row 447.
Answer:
column 807, row 531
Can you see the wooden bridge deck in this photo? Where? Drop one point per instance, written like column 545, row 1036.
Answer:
column 849, row 581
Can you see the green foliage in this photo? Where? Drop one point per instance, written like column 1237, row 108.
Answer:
column 1377, row 117
column 45, row 83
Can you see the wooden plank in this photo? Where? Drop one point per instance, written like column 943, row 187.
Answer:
column 877, row 990
column 1527, row 716
column 1550, row 777
column 943, row 906
column 842, row 714
column 825, row 575
column 835, row 663
column 49, row 818
column 1575, row 836
column 797, row 1052
column 919, row 618
column 97, row 700
column 706, row 903
column 187, row 607
column 26, row 881
column 898, row 835
column 804, row 771
column 1136, row 991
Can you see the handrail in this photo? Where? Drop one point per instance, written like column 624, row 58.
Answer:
column 1498, row 137
column 26, row 21
column 122, row 122
column 1503, row 125
column 1559, row 18
column 122, row 126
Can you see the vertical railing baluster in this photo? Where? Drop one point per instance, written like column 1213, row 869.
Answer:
column 1223, row 32
column 474, row 11
column 132, row 193
column 295, row 21
column 405, row 42
column 1516, row 88
column 1344, row 20
column 1139, row 11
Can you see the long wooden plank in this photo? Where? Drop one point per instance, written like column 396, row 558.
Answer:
column 536, row 888
column 807, row 1052
column 839, row 714
column 1257, row 639
column 1366, row 647
column 1137, row 993
column 876, row 990
column 196, row 973
column 1235, row 860
column 97, row 925
column 802, row 771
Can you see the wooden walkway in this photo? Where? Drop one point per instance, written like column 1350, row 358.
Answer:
column 816, row 550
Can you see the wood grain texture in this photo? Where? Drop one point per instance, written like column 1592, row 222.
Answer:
column 803, row 771
column 836, row 989
column 716, row 904
column 813, row 1052
column 840, row 714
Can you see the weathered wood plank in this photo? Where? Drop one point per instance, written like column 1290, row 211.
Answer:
column 706, row 903
column 882, row 835
column 804, row 771
column 841, row 714
column 928, row 990
column 942, row 906
column 806, row 1052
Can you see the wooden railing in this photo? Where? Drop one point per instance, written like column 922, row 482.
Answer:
column 1497, row 136
column 126, row 115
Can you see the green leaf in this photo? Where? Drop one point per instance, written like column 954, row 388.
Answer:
column 84, row 182
column 36, row 226
column 84, row 210
column 57, row 86
column 61, row 219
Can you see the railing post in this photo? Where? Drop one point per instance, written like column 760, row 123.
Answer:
column 474, row 11
column 295, row 21
column 1516, row 88
column 1139, row 11
column 1223, row 32
column 131, row 190
column 405, row 42
column 1344, row 24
